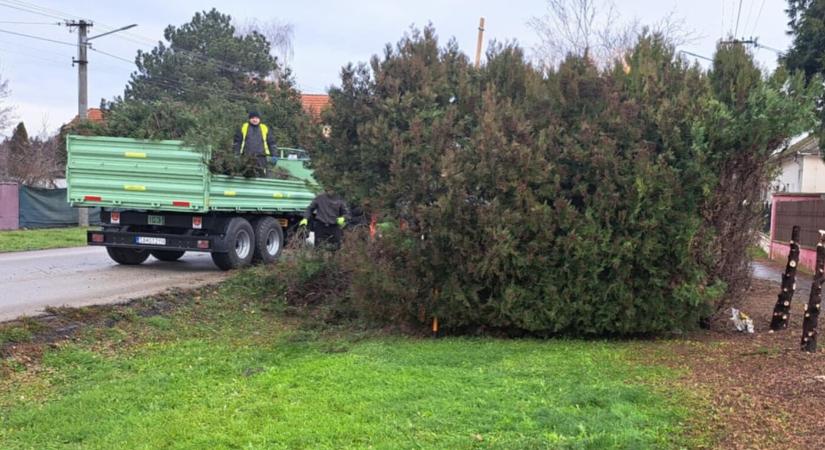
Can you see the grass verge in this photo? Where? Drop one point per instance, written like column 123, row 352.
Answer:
column 227, row 368
column 23, row 240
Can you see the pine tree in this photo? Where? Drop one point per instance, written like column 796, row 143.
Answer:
column 19, row 152
column 577, row 200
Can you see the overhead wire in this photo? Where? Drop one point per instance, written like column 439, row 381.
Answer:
column 127, row 35
column 177, row 84
column 758, row 16
column 17, row 22
column 16, row 6
column 111, row 55
column 722, row 20
column 38, row 38
column 748, row 17
column 36, row 9
column 738, row 15
column 31, row 55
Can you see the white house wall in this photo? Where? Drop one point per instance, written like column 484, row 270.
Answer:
column 788, row 178
column 813, row 177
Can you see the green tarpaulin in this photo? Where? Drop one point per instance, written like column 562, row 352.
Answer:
column 48, row 208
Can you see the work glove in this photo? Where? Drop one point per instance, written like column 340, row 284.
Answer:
column 342, row 222
column 303, row 223
column 273, row 160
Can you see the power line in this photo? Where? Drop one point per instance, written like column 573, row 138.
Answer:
column 128, row 35
column 776, row 50
column 31, row 55
column 41, row 10
column 738, row 15
column 111, row 55
column 38, row 38
column 176, row 84
column 695, row 55
column 29, row 10
column 758, row 16
column 748, row 17
column 15, row 22
column 722, row 17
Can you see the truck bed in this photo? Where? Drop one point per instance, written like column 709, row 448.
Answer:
column 136, row 174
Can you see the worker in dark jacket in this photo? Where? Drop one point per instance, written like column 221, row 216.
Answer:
column 330, row 216
column 255, row 138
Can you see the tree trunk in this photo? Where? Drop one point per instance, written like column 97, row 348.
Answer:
column 808, row 343
column 782, row 310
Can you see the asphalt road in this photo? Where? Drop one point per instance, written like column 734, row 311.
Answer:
column 30, row 281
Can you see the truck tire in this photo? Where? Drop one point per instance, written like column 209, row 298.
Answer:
column 127, row 256
column 240, row 239
column 168, row 255
column 269, row 240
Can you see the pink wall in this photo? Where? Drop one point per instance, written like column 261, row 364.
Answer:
column 807, row 257
column 780, row 249
column 9, row 206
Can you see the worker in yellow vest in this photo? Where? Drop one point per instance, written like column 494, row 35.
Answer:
column 255, row 138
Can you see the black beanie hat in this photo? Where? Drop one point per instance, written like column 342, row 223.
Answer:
column 254, row 114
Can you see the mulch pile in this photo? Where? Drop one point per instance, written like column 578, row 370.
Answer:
column 766, row 393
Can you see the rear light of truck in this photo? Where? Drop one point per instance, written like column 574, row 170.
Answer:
column 97, row 238
column 92, row 198
column 197, row 222
column 115, row 218
column 181, row 204
column 203, row 244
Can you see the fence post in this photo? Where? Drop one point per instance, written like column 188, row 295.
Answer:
column 782, row 310
column 809, row 333
column 83, row 217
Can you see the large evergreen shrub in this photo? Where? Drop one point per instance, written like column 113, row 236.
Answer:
column 575, row 201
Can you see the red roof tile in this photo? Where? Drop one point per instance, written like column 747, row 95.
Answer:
column 92, row 115
column 314, row 104
column 95, row 115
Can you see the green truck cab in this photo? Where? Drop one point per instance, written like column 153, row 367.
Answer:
column 159, row 198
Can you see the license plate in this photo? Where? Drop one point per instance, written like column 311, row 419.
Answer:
column 155, row 220
column 150, row 240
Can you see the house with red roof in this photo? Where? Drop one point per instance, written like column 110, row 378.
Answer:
column 315, row 104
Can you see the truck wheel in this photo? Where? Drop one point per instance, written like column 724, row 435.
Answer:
column 240, row 238
column 269, row 240
column 167, row 255
column 127, row 256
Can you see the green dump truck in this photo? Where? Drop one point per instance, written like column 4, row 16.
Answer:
column 159, row 198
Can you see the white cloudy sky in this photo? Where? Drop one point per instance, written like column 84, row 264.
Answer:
column 327, row 35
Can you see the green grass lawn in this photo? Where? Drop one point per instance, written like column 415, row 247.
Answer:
column 220, row 372
column 22, row 240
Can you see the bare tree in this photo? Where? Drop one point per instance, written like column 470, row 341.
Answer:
column 279, row 34
column 595, row 29
column 32, row 162
column 5, row 109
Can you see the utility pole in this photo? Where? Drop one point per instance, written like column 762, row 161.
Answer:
column 82, row 89
column 82, row 66
column 480, row 39
column 82, row 62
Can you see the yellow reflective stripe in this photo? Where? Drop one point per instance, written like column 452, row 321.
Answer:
column 134, row 155
column 228, row 193
column 264, row 133
column 244, row 130
column 133, row 187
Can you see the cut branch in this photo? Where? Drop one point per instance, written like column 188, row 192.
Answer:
column 782, row 310
column 809, row 333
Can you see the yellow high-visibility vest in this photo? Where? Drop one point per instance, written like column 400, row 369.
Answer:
column 264, row 132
